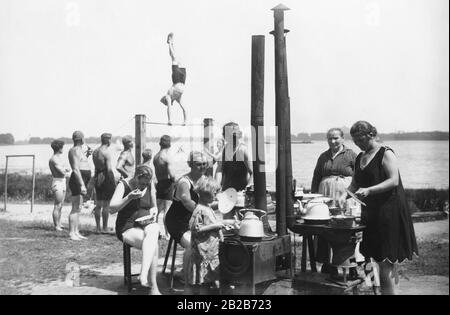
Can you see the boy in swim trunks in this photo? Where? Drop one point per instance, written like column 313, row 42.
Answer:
column 58, row 171
column 76, row 185
column 178, row 80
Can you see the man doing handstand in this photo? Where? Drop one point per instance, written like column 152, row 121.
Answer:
column 178, row 79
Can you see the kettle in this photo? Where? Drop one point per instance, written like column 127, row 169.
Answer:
column 317, row 209
column 251, row 227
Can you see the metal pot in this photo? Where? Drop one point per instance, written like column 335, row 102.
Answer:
column 316, row 209
column 251, row 227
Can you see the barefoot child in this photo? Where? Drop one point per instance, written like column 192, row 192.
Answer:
column 206, row 233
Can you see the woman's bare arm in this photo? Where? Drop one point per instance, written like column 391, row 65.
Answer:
column 184, row 195
column 118, row 202
column 390, row 166
column 153, row 194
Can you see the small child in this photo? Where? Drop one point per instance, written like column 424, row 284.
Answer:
column 206, row 234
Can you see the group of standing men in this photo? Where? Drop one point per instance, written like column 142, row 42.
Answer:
column 103, row 183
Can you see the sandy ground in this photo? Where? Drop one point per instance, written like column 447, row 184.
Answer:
column 109, row 281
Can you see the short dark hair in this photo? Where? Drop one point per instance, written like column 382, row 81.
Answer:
column 77, row 136
column 164, row 142
column 57, row 145
column 232, row 129
column 127, row 140
column 143, row 171
column 147, row 154
column 335, row 129
column 105, row 137
column 364, row 128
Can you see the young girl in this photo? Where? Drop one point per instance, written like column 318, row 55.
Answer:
column 206, row 233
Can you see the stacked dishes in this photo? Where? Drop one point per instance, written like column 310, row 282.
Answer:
column 343, row 221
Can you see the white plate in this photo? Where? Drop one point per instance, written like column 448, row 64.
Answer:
column 143, row 192
column 318, row 219
column 227, row 200
column 144, row 218
column 307, row 196
column 321, row 199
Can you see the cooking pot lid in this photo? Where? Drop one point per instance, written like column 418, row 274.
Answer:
column 299, row 193
column 320, row 199
column 227, row 200
column 312, row 217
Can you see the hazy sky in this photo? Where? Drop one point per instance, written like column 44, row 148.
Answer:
column 93, row 64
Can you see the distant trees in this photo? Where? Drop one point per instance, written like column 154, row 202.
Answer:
column 6, row 139
column 415, row 136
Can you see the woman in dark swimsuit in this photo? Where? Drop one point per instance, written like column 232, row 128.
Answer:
column 235, row 169
column 134, row 198
column 185, row 200
column 389, row 236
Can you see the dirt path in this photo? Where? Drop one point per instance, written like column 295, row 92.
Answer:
column 109, row 280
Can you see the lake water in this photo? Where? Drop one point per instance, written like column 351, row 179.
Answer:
column 423, row 164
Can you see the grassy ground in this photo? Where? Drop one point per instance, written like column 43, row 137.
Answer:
column 32, row 252
column 433, row 260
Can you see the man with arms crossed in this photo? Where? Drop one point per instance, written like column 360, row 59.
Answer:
column 163, row 164
column 104, row 182
column 58, row 171
column 76, row 185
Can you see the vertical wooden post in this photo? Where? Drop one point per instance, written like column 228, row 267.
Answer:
column 257, row 121
column 33, row 185
column 208, row 143
column 6, row 183
column 140, row 137
column 281, row 100
column 290, row 187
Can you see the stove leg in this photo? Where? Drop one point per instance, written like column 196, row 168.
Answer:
column 304, row 251
column 312, row 256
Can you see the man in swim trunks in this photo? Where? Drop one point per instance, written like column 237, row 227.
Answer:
column 163, row 164
column 76, row 185
column 58, row 171
column 178, row 80
column 125, row 163
column 105, row 183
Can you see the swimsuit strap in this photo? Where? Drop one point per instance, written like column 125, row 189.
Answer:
column 190, row 182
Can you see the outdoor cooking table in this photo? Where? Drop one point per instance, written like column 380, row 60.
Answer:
column 338, row 237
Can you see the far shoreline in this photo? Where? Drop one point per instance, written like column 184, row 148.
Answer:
column 266, row 142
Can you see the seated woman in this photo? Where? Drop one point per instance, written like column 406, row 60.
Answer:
column 134, row 198
column 184, row 202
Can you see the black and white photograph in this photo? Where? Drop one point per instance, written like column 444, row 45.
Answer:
column 224, row 153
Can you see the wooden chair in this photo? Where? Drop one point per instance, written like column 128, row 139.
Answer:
column 172, row 268
column 127, row 275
